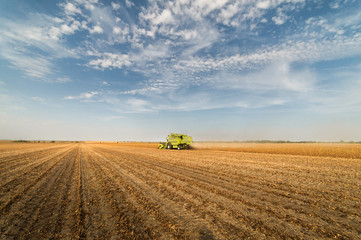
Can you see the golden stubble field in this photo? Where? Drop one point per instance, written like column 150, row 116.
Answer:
column 135, row 191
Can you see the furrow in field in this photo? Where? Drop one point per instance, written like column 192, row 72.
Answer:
column 97, row 218
column 273, row 182
column 290, row 214
column 204, row 196
column 46, row 222
column 19, row 154
column 80, row 214
column 13, row 190
column 15, row 149
column 186, row 204
column 139, row 168
column 179, row 218
column 115, row 200
column 70, row 224
column 34, row 203
column 28, row 164
column 105, row 191
column 288, row 176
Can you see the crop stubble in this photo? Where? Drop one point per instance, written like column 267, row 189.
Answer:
column 112, row 191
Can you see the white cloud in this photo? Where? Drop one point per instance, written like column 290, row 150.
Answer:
column 86, row 96
column 129, row 3
column 38, row 99
column 96, row 29
column 264, row 4
column 120, row 33
column 35, row 66
column 308, row 50
column 104, row 83
column 57, row 32
column 277, row 76
column 111, row 60
column 32, row 33
column 111, row 118
column 164, row 18
column 180, row 38
column 33, row 45
column 279, row 20
column 116, row 30
column 115, row 6
column 71, row 9
column 63, row 80
column 335, row 4
column 138, row 105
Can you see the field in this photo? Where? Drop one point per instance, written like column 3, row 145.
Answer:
column 134, row 191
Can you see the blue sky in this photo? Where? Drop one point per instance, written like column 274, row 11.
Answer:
column 216, row 70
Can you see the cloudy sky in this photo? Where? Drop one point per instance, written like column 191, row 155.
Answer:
column 216, row 70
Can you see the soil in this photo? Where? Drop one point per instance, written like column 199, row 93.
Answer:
column 109, row 191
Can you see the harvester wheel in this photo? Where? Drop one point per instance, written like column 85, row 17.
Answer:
column 179, row 147
column 169, row 146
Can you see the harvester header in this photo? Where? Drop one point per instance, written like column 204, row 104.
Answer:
column 178, row 141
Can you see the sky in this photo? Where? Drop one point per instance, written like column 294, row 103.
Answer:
column 219, row 70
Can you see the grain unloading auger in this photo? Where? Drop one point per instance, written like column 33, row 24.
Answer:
column 174, row 140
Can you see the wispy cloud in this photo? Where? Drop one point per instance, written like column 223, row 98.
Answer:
column 38, row 99
column 36, row 66
column 111, row 118
column 33, row 46
column 277, row 76
column 104, row 83
column 83, row 96
column 63, row 80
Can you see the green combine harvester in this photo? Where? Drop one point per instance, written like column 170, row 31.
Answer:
column 178, row 141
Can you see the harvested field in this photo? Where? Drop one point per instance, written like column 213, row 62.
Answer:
column 341, row 150
column 117, row 191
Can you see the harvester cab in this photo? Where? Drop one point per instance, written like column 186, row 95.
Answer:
column 178, row 141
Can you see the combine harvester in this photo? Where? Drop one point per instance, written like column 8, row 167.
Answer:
column 178, row 141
